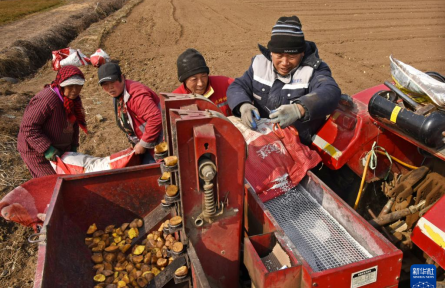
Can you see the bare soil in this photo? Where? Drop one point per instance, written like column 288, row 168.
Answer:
column 354, row 37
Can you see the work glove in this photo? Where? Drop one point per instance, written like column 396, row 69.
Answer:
column 51, row 154
column 285, row 115
column 248, row 112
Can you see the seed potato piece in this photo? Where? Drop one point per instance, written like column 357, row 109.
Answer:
column 165, row 176
column 175, row 220
column 170, row 160
column 139, row 223
column 88, row 241
column 142, row 281
column 120, row 257
column 139, row 249
column 124, row 226
column 162, row 262
column 108, row 266
column 171, row 190
column 161, row 148
column 181, row 271
column 99, row 278
column 138, row 259
column 133, row 233
column 129, row 267
column 100, row 270
column 121, row 284
column 97, row 258
column 92, row 229
column 124, row 248
column 159, row 254
column 109, row 229
column 155, row 271
column 109, row 257
column 149, row 276
column 98, row 233
column 107, row 273
column 97, row 266
column 111, row 286
column 178, row 247
column 109, row 280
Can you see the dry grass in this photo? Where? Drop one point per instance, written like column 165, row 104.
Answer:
column 11, row 10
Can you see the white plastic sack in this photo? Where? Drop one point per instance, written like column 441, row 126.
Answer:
column 417, row 82
column 76, row 58
column 99, row 58
column 78, row 163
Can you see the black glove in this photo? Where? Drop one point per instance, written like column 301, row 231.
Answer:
column 51, row 154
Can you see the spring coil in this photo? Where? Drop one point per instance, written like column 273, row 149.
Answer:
column 209, row 200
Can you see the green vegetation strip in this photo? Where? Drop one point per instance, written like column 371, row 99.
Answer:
column 11, row 10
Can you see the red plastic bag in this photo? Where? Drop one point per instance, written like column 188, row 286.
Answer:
column 276, row 161
column 68, row 56
column 78, row 163
column 27, row 203
column 99, row 58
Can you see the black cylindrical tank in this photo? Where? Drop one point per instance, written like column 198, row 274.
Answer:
column 426, row 129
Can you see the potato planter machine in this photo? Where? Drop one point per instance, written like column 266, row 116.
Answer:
column 307, row 237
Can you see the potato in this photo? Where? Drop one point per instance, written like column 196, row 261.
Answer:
column 165, row 176
column 107, row 273
column 178, row 247
column 162, row 262
column 176, row 220
column 148, row 275
column 92, row 228
column 97, row 258
column 133, row 233
column 139, row 223
column 181, row 271
column 124, row 247
column 124, row 226
column 88, row 241
column 98, row 233
column 99, row 278
column 138, row 259
column 171, row 190
column 161, row 148
column 139, row 249
column 142, row 281
column 170, row 160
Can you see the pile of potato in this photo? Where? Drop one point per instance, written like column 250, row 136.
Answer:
column 116, row 268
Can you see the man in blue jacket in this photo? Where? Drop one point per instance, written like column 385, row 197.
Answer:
column 287, row 83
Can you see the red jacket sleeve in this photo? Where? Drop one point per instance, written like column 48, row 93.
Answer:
column 146, row 108
column 38, row 110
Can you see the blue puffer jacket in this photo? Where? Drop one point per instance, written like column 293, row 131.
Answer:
column 310, row 85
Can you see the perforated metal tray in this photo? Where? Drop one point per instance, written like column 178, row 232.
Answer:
column 320, row 239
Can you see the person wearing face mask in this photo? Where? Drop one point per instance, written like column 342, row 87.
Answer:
column 194, row 75
column 50, row 124
column 136, row 108
column 287, row 83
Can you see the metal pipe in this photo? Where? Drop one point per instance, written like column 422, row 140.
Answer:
column 402, row 95
column 393, row 217
column 388, row 235
column 387, row 207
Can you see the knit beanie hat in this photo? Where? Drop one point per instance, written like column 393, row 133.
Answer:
column 287, row 36
column 189, row 63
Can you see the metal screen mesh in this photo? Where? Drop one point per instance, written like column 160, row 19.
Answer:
column 319, row 238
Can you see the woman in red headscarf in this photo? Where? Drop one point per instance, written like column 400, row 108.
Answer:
column 50, row 124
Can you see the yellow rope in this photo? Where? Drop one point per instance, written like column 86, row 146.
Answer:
column 399, row 161
column 366, row 170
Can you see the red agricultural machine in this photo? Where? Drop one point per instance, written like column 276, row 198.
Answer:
column 307, row 237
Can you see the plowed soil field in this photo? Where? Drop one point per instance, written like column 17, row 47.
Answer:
column 355, row 38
